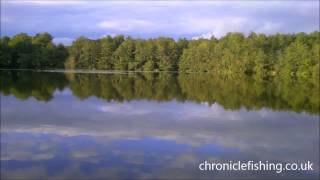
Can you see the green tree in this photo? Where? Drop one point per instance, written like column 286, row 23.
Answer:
column 22, row 51
column 166, row 54
column 296, row 61
column 124, row 55
column 6, row 60
column 108, row 47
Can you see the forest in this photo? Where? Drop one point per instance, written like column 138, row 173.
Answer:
column 37, row 52
column 291, row 56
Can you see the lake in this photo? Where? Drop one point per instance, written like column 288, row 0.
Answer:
column 128, row 125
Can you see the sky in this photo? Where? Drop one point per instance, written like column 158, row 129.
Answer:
column 67, row 20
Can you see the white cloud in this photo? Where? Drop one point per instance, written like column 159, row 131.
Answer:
column 213, row 112
column 204, row 36
column 125, row 24
column 222, row 26
column 269, row 27
column 153, row 19
column 214, row 26
column 129, row 109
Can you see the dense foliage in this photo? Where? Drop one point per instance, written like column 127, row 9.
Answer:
column 229, row 92
column 37, row 52
column 286, row 55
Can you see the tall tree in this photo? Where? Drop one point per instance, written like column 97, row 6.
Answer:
column 124, row 55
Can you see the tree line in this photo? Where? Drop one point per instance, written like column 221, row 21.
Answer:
column 258, row 55
column 25, row 52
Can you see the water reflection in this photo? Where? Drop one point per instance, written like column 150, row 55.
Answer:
column 231, row 93
column 105, row 128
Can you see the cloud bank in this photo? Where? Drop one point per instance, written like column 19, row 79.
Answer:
column 145, row 19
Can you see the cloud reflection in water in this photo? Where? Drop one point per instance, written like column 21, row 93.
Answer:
column 67, row 138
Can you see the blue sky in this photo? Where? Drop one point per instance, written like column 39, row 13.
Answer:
column 67, row 20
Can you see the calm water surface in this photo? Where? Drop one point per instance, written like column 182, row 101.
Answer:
column 152, row 126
